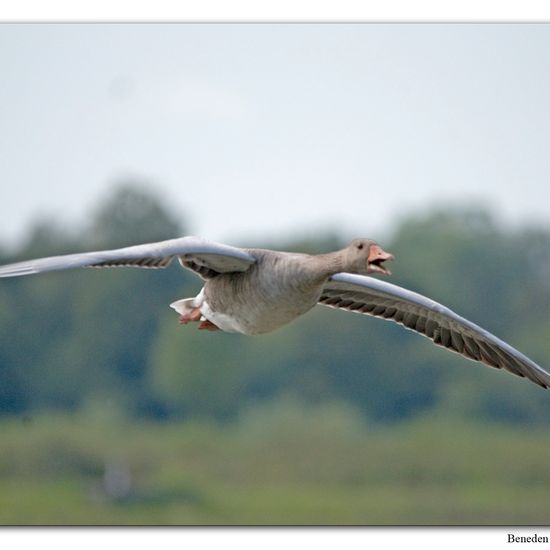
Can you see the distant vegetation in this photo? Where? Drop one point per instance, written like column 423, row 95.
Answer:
column 70, row 340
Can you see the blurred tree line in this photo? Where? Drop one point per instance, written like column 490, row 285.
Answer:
column 106, row 339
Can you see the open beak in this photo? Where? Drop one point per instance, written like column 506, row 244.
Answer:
column 376, row 259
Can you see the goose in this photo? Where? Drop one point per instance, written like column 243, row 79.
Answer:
column 255, row 291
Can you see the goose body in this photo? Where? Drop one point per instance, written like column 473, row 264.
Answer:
column 255, row 291
column 275, row 290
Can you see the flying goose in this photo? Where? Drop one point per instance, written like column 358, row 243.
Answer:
column 254, row 291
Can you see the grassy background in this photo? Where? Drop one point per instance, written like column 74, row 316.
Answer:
column 281, row 464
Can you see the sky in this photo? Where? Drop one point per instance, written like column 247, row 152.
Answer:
column 269, row 130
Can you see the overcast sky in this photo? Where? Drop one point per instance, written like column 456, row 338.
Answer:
column 263, row 130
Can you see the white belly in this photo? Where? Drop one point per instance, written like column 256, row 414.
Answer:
column 226, row 322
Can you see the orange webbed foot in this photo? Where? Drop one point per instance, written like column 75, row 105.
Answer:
column 193, row 315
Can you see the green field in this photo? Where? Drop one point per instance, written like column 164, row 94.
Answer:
column 278, row 465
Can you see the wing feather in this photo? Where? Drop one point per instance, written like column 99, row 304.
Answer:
column 193, row 252
column 438, row 323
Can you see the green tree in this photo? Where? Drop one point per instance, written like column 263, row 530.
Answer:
column 71, row 335
column 132, row 214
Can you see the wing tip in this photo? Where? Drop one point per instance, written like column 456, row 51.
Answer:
column 16, row 271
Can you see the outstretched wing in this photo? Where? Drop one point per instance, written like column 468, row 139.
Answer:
column 202, row 256
column 424, row 316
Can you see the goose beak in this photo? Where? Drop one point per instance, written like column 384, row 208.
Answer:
column 377, row 257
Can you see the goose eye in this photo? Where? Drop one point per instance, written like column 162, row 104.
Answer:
column 360, row 246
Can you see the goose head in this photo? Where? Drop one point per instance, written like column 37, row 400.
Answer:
column 364, row 256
